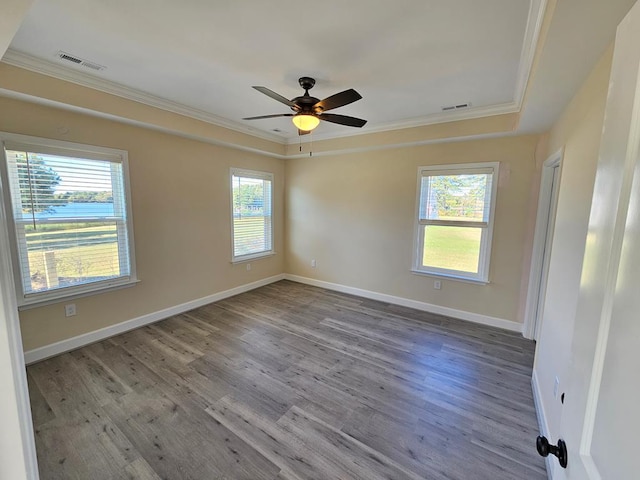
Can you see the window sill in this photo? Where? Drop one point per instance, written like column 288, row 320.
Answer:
column 35, row 303
column 255, row 256
column 456, row 278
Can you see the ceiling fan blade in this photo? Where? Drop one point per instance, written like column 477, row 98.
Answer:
column 275, row 96
column 269, row 116
column 303, row 132
column 342, row 119
column 338, row 100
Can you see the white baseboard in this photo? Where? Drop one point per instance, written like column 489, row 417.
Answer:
column 542, row 419
column 63, row 346
column 405, row 302
column 73, row 343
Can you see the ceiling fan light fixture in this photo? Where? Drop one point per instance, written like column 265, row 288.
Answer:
column 305, row 122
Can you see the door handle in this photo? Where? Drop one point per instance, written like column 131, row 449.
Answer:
column 545, row 448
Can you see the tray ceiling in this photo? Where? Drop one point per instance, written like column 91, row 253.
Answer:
column 407, row 58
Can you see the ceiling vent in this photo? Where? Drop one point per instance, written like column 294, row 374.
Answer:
column 67, row 57
column 460, row 106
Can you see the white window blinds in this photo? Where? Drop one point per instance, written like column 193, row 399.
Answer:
column 252, row 199
column 70, row 220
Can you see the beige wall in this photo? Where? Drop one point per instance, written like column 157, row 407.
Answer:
column 181, row 213
column 578, row 130
column 180, row 198
column 354, row 214
column 11, row 14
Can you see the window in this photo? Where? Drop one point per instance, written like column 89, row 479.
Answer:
column 71, row 224
column 252, row 198
column 454, row 221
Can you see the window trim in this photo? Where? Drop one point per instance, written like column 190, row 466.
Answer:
column 10, row 141
column 259, row 175
column 486, row 241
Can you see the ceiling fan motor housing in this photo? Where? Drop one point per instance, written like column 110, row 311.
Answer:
column 305, row 103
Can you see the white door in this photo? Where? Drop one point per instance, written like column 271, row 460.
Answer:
column 601, row 411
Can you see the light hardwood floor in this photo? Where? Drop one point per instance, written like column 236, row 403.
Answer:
column 291, row 382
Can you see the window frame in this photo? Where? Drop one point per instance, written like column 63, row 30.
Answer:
column 484, row 260
column 11, row 141
column 258, row 175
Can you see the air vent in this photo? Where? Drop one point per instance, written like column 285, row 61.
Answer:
column 64, row 56
column 79, row 61
column 456, row 107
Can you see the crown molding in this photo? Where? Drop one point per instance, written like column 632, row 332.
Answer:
column 530, row 40
column 437, row 118
column 365, row 148
column 416, row 143
column 128, row 121
column 537, row 9
column 44, row 67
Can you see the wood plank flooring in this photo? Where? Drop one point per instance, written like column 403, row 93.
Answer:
column 291, row 382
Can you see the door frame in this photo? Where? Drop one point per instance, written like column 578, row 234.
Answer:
column 541, row 251
column 21, row 459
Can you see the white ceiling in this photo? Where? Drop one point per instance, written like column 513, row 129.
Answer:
column 580, row 32
column 407, row 58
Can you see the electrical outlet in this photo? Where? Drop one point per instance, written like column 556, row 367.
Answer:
column 556, row 387
column 70, row 310
column 437, row 284
column 248, row 267
column 313, row 263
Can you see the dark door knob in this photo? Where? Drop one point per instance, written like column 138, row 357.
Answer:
column 545, row 448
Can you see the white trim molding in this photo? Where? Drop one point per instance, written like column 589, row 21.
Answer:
column 17, row 442
column 545, row 221
column 47, row 351
column 79, row 341
column 537, row 9
column 432, row 119
column 422, row 220
column 543, row 424
column 406, row 302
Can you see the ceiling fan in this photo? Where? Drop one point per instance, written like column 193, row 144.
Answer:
column 308, row 110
